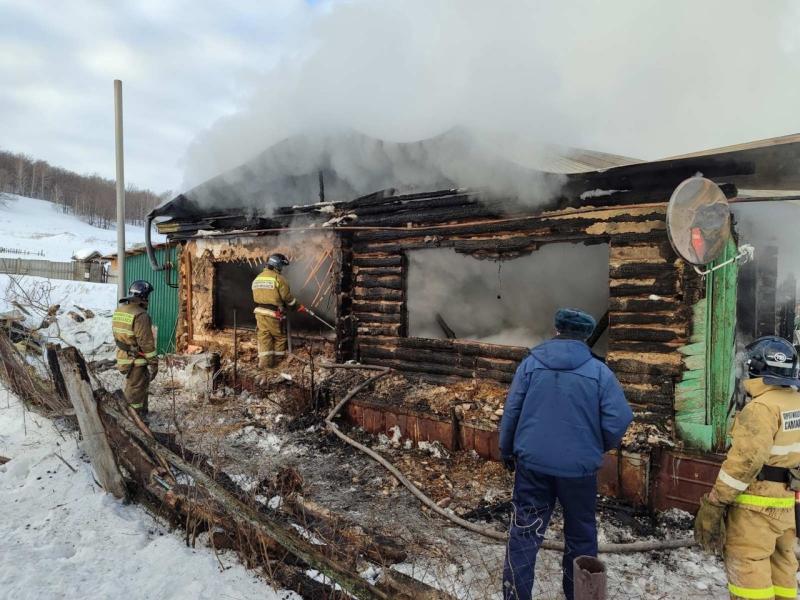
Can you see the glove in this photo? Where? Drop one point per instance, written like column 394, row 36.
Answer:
column 302, row 309
column 510, row 463
column 153, row 368
column 709, row 526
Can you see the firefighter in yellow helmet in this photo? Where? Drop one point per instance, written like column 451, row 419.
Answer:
column 136, row 348
column 273, row 298
column 750, row 513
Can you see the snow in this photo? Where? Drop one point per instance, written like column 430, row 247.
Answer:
column 92, row 336
column 61, row 536
column 33, row 226
column 85, row 253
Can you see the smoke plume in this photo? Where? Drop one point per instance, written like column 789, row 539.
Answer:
column 641, row 78
column 509, row 302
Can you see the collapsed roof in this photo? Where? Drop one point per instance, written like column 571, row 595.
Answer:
column 320, row 176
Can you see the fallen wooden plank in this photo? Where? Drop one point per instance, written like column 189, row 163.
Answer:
column 79, row 390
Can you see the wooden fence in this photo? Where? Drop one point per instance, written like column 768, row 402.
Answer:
column 75, row 270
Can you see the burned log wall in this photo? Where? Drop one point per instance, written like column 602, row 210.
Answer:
column 204, row 321
column 651, row 290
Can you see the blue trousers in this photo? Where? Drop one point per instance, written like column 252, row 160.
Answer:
column 535, row 495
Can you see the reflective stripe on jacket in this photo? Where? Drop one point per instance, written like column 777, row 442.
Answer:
column 133, row 329
column 270, row 287
column 765, row 432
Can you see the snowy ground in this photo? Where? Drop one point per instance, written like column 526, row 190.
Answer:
column 35, row 295
column 34, row 226
column 60, row 531
column 61, row 536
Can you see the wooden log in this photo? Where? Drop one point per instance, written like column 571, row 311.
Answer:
column 248, row 519
column 435, row 215
column 417, row 206
column 644, row 347
column 361, row 260
column 442, row 369
column 631, row 270
column 377, row 317
column 364, row 306
column 631, row 288
column 644, row 303
column 55, row 372
column 376, row 547
column 377, row 293
column 378, row 271
column 647, row 395
column 423, row 367
column 497, row 244
column 642, row 378
column 465, row 347
column 508, row 224
column 393, row 282
column 669, row 318
column 644, row 334
column 664, row 368
column 470, row 348
column 79, row 390
column 417, row 355
column 495, row 364
column 379, row 329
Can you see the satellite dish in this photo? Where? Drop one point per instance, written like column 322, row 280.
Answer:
column 698, row 220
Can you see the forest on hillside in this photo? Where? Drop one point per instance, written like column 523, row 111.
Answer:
column 91, row 197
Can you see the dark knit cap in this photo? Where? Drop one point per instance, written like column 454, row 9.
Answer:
column 574, row 323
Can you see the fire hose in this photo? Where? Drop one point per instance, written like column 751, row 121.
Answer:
column 643, row 546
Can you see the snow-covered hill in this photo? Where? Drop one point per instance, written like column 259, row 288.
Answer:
column 37, row 226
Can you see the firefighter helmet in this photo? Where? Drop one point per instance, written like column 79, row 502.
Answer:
column 140, row 289
column 772, row 358
column 277, row 261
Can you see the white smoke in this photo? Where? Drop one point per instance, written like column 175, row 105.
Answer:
column 509, row 302
column 643, row 78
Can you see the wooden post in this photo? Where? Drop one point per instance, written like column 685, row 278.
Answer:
column 79, row 391
column 590, row 578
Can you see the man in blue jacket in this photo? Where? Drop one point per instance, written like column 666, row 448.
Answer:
column 564, row 410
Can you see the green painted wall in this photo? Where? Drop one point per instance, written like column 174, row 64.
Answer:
column 163, row 307
column 703, row 395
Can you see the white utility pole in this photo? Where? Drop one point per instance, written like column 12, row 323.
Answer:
column 121, row 291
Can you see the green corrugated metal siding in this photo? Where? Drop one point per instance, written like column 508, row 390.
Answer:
column 163, row 306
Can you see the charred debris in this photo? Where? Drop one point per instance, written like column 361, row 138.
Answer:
column 356, row 260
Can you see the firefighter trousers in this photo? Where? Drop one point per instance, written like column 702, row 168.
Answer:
column 271, row 337
column 137, row 382
column 534, row 499
column 759, row 553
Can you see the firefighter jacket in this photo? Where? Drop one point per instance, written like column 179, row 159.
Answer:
column 765, row 432
column 133, row 334
column 564, row 409
column 271, row 291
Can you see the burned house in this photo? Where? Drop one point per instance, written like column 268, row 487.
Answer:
column 422, row 269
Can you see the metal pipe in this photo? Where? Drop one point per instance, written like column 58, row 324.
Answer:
column 121, row 290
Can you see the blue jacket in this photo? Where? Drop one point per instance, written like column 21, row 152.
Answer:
column 564, row 409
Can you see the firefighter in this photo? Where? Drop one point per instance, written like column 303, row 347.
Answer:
column 564, row 409
column 749, row 513
column 273, row 298
column 136, row 348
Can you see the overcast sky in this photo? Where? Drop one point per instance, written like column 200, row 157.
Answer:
column 209, row 84
column 183, row 64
